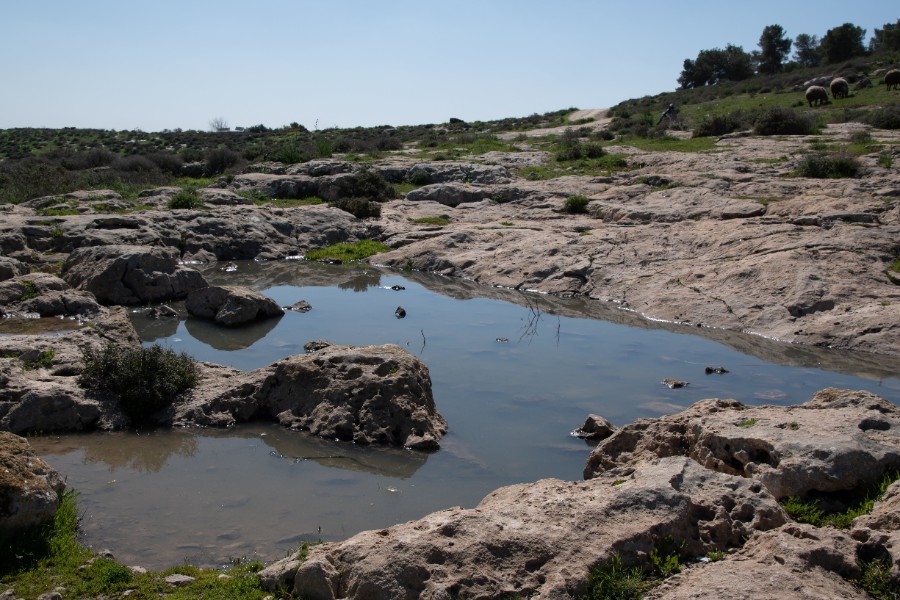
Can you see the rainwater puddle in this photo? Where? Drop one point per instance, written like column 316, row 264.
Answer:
column 512, row 373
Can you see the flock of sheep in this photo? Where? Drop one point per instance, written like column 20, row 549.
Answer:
column 816, row 94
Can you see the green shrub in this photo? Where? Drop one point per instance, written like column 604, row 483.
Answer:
column 143, row 380
column 777, row 120
column 185, row 198
column 576, row 204
column 887, row 117
column 717, row 125
column 219, row 160
column 833, row 166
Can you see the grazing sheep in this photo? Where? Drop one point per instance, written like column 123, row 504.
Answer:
column 892, row 79
column 816, row 94
column 839, row 88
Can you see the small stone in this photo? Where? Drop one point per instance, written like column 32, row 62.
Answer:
column 674, row 383
column 596, row 428
column 299, row 306
column 397, row 288
column 179, row 580
column 137, row 570
column 716, row 370
column 400, row 312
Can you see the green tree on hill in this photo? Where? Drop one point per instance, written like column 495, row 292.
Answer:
column 843, row 43
column 887, row 38
column 712, row 66
column 807, row 52
column 774, row 48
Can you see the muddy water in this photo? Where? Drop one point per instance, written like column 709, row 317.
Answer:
column 513, row 374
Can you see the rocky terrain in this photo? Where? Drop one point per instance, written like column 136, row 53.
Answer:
column 725, row 239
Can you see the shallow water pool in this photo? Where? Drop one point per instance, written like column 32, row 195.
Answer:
column 513, row 373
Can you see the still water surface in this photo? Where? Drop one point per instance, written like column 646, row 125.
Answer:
column 513, row 374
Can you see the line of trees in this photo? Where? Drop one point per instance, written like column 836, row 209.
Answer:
column 733, row 63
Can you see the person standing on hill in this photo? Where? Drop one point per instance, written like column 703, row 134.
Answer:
column 670, row 112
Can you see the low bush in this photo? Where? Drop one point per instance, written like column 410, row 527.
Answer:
column 358, row 207
column 828, row 166
column 887, row 117
column 185, row 198
column 220, row 160
column 717, row 125
column 144, row 381
column 576, row 204
column 777, row 120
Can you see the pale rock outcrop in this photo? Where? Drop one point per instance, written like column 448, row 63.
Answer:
column 368, row 395
column 44, row 395
column 795, row 561
column 10, row 267
column 444, row 172
column 837, row 441
column 30, row 489
column 130, row 274
column 231, row 305
column 45, row 295
column 536, row 540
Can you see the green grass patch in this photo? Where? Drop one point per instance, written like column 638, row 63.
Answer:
column 41, row 559
column 290, row 202
column 41, row 361
column 345, row 252
column 58, row 212
column 613, row 581
column 858, row 502
column 606, row 165
column 748, row 423
column 31, row 290
column 432, row 221
column 407, row 187
column 668, row 144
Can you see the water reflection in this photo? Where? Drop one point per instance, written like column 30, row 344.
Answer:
column 513, row 373
column 220, row 337
column 139, row 452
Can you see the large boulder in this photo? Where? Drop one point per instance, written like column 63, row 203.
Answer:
column 535, row 540
column 837, row 441
column 231, row 305
column 45, row 295
column 131, row 274
column 30, row 489
column 368, row 395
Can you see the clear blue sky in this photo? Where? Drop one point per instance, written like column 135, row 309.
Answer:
column 164, row 64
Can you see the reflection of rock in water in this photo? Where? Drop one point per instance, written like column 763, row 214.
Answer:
column 229, row 338
column 150, row 329
column 389, row 462
column 261, row 276
column 20, row 326
column 144, row 452
column 362, row 281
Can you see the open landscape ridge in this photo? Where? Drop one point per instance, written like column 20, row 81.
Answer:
column 791, row 235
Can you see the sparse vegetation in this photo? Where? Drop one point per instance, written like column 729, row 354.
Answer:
column 576, row 204
column 432, row 221
column 854, row 502
column 828, row 166
column 613, row 581
column 748, row 423
column 345, row 252
column 143, row 381
column 186, row 198
column 44, row 558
